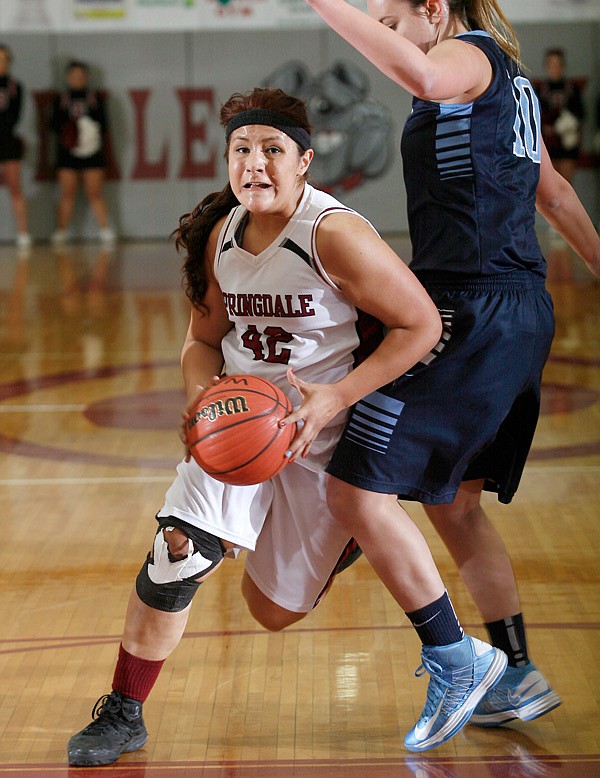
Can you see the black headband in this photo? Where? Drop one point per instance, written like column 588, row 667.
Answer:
column 271, row 119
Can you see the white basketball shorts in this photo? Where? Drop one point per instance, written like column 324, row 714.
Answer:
column 293, row 542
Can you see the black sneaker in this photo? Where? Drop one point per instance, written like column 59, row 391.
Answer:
column 117, row 728
column 348, row 557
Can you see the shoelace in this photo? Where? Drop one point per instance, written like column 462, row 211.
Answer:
column 462, row 680
column 104, row 715
column 436, row 687
column 106, row 704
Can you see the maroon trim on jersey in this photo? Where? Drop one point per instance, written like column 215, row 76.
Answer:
column 313, row 241
column 224, row 233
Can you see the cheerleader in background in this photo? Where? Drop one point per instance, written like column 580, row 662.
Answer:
column 79, row 120
column 11, row 146
column 562, row 110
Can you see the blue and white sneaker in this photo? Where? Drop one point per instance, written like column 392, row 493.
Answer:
column 460, row 675
column 522, row 693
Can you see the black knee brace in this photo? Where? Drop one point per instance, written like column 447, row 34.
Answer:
column 169, row 584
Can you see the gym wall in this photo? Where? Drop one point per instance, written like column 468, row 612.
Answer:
column 164, row 91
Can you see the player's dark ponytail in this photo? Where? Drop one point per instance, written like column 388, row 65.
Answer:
column 192, row 235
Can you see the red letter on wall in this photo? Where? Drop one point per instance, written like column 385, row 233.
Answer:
column 194, row 133
column 43, row 106
column 142, row 169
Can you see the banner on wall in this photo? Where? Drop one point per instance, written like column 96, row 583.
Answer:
column 99, row 9
column 25, row 15
column 158, row 15
column 152, row 15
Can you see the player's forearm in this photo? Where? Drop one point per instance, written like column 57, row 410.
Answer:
column 400, row 350
column 568, row 216
column 199, row 363
column 396, row 57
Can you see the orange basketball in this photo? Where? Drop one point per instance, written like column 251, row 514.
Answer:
column 233, row 433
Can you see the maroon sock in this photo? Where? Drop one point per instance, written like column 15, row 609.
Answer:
column 135, row 677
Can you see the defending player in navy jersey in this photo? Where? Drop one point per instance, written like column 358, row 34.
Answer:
column 471, row 172
column 462, row 420
column 276, row 272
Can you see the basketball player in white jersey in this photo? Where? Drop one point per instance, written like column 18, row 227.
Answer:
column 275, row 271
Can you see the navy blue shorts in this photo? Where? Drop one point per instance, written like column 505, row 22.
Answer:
column 469, row 409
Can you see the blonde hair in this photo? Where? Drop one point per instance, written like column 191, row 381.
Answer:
column 485, row 15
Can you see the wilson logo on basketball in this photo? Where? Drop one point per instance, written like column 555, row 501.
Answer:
column 234, row 431
column 213, row 410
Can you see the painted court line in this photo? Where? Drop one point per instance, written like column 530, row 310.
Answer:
column 140, row 479
column 79, row 408
column 506, row 766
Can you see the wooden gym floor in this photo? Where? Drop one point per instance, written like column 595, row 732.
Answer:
column 89, row 406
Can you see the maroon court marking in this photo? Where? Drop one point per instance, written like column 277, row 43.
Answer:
column 561, row 398
column 28, row 385
column 160, row 410
column 565, row 359
column 22, row 447
column 23, row 645
column 413, row 766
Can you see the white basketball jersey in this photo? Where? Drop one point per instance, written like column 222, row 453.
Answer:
column 286, row 310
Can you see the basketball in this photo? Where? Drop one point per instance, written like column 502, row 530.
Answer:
column 233, row 432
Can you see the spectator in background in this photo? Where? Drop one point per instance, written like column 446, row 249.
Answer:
column 562, row 114
column 596, row 138
column 79, row 120
column 11, row 145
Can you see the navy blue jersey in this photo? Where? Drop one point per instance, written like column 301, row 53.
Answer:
column 471, row 172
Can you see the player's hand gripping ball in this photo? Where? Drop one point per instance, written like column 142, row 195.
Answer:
column 233, row 432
